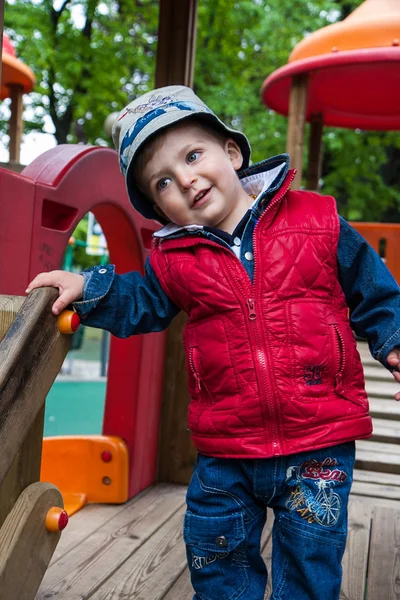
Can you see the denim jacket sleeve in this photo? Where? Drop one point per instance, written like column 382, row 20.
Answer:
column 125, row 304
column 372, row 294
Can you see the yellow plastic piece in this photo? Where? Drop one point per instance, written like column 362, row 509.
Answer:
column 86, row 469
column 374, row 24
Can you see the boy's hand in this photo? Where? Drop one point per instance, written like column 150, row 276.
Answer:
column 393, row 359
column 70, row 287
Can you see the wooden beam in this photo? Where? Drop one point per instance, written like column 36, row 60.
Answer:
column 176, row 42
column 26, row 546
column 315, row 152
column 175, row 64
column 297, row 118
column 16, row 123
column 31, row 355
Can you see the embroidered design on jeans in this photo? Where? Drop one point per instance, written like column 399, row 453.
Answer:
column 324, row 506
column 199, row 562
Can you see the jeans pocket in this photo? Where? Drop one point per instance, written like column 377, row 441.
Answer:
column 216, row 551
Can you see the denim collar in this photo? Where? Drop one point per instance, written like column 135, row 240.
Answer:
column 262, row 179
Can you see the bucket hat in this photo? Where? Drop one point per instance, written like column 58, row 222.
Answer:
column 152, row 112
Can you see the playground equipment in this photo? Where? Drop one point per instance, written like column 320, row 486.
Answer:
column 16, row 79
column 32, row 514
column 344, row 75
column 39, row 210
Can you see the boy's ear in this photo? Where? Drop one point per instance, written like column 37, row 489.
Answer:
column 235, row 154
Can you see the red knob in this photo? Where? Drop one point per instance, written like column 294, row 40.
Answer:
column 68, row 321
column 56, row 519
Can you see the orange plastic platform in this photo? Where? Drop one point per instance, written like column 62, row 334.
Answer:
column 86, row 469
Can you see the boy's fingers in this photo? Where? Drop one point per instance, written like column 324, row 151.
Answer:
column 62, row 302
column 393, row 358
column 396, row 375
column 42, row 280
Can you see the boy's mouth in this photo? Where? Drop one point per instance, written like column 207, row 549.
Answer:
column 200, row 198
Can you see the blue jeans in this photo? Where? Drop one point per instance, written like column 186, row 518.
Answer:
column 226, row 513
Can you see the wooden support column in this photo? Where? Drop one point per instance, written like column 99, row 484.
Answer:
column 176, row 42
column 175, row 62
column 16, row 123
column 297, row 118
column 315, row 152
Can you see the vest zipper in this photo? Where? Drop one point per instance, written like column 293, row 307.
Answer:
column 341, row 354
column 261, row 348
column 252, row 310
column 194, row 369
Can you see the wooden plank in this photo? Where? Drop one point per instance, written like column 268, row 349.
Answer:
column 176, row 42
column 376, row 477
column 384, row 557
column 386, row 431
column 25, row 544
column 375, row 490
column 25, row 468
column 9, row 307
column 175, row 65
column 377, row 373
column 296, row 122
column 378, row 447
column 384, row 409
column 31, row 355
column 16, row 124
column 314, row 169
column 100, row 553
column 152, row 570
column 374, row 456
column 355, row 558
column 177, row 454
column 382, row 389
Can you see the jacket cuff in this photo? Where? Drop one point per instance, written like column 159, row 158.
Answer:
column 382, row 354
column 96, row 285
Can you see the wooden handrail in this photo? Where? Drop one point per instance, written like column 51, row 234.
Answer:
column 31, row 354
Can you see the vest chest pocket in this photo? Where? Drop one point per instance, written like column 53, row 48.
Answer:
column 319, row 352
column 217, row 555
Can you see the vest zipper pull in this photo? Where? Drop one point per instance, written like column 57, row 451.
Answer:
column 198, row 380
column 252, row 310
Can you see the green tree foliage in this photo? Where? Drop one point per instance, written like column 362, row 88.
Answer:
column 92, row 56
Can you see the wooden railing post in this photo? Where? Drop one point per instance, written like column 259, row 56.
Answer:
column 314, row 169
column 175, row 61
column 296, row 123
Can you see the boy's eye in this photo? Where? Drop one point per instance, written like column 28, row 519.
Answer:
column 162, row 184
column 192, row 156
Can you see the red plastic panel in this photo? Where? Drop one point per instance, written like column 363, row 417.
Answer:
column 39, row 210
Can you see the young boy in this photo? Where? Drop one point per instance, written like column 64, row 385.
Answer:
column 266, row 276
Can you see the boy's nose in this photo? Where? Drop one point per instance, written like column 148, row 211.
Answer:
column 186, row 180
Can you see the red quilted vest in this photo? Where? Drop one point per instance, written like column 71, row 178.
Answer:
column 273, row 365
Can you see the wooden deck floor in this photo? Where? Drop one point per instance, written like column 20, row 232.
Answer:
column 135, row 551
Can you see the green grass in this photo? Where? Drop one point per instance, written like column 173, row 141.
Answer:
column 75, row 408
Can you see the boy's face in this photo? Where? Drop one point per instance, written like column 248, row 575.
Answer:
column 192, row 178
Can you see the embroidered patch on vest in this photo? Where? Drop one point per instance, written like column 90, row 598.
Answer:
column 313, row 375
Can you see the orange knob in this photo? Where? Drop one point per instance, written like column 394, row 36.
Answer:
column 68, row 321
column 56, row 519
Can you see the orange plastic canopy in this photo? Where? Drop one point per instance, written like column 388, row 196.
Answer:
column 14, row 71
column 354, row 69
